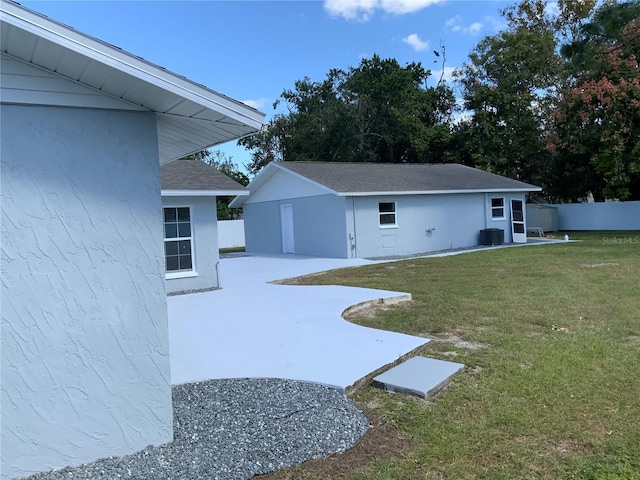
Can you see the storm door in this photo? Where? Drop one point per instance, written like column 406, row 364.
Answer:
column 518, row 227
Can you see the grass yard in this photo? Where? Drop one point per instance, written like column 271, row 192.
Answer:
column 550, row 336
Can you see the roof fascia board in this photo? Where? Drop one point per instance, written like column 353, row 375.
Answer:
column 306, row 179
column 440, row 192
column 203, row 193
column 104, row 53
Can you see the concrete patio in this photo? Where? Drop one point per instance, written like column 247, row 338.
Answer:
column 252, row 328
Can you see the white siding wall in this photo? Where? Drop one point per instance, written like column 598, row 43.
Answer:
column 204, row 244
column 84, row 343
column 26, row 84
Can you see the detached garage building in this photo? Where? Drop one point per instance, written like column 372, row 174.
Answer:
column 364, row 210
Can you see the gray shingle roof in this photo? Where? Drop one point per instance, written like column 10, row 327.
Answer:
column 401, row 177
column 195, row 175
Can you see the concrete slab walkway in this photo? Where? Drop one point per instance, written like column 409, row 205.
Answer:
column 252, row 328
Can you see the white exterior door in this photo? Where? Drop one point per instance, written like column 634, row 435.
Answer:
column 286, row 222
column 518, row 227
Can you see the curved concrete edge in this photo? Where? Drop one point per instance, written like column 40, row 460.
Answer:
column 395, row 300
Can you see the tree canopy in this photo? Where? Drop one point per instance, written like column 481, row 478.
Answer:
column 553, row 99
column 378, row 111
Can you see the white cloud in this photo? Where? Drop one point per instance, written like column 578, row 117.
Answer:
column 351, row 9
column 416, row 42
column 257, row 104
column 401, row 7
column 475, row 27
column 363, row 10
column 455, row 24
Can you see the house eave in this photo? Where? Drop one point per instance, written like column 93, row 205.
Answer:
column 191, row 117
column 203, row 193
column 438, row 192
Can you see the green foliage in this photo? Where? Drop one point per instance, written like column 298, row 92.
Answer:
column 378, row 111
column 596, row 127
column 549, row 335
column 506, row 85
column 555, row 99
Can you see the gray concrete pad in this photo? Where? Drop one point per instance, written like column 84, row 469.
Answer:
column 253, row 328
column 420, row 376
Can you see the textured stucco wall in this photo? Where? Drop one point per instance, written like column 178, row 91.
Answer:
column 204, row 244
column 262, row 227
column 85, row 350
column 504, row 224
column 456, row 221
column 319, row 226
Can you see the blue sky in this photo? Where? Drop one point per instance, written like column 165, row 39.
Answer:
column 252, row 50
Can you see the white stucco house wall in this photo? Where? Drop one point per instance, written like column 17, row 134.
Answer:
column 366, row 210
column 84, row 347
column 189, row 193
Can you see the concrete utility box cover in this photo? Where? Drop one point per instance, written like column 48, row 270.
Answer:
column 420, row 376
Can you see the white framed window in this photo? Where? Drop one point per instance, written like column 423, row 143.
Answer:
column 497, row 208
column 387, row 214
column 178, row 251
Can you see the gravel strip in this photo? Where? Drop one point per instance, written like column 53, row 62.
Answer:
column 236, row 429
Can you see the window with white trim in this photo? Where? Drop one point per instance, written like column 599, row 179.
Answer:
column 497, row 208
column 177, row 239
column 387, row 214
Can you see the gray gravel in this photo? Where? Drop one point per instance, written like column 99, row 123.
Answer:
column 236, row 429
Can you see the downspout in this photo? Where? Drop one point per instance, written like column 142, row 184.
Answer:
column 354, row 244
column 218, row 274
column 486, row 209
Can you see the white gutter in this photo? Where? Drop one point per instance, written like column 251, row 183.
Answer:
column 439, row 192
column 203, row 193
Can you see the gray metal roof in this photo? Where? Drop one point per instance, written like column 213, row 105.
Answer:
column 191, row 117
column 195, row 176
column 381, row 178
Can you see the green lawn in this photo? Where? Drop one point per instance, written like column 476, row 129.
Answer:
column 553, row 391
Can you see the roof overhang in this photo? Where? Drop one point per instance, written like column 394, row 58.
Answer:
column 273, row 167
column 203, row 193
column 440, row 192
column 190, row 117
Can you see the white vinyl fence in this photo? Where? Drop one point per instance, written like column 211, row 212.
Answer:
column 599, row 216
column 230, row 233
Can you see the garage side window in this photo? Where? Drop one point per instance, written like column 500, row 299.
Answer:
column 497, row 208
column 387, row 213
column 177, row 239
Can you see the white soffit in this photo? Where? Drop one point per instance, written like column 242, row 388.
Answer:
column 191, row 117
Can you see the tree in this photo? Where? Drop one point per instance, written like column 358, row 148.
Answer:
column 596, row 129
column 224, row 164
column 511, row 85
column 378, row 111
column 506, row 86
